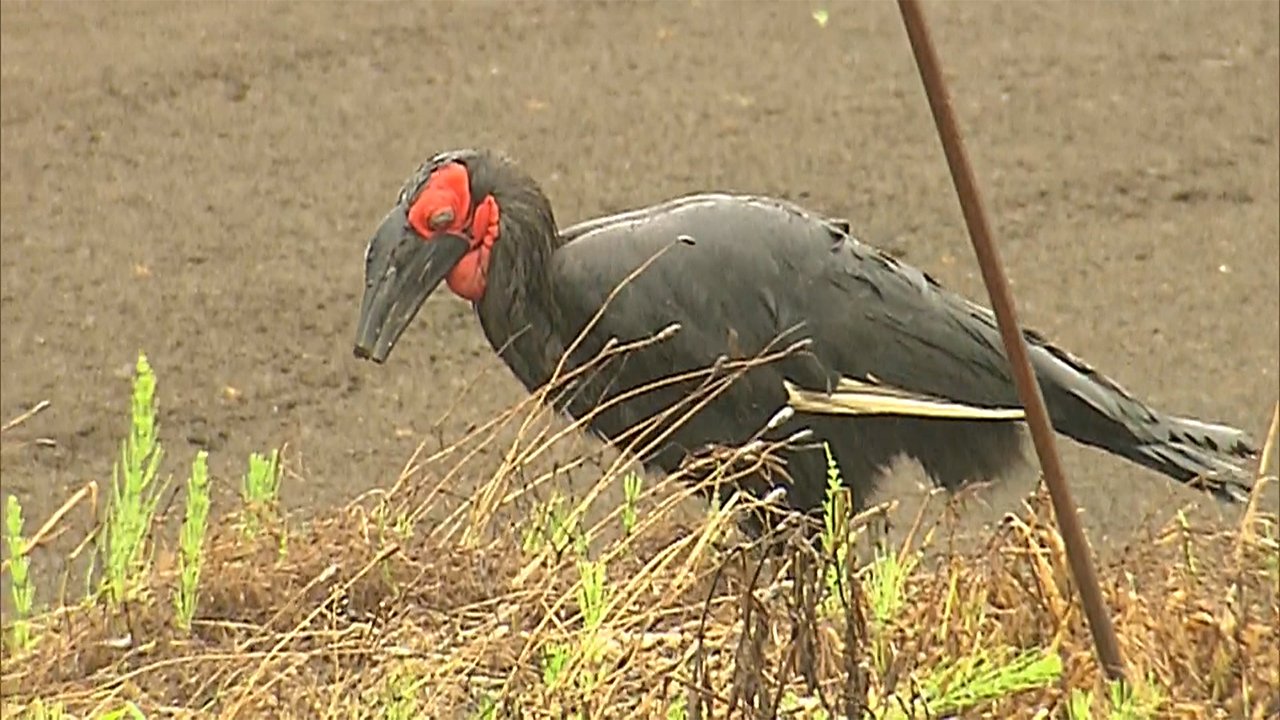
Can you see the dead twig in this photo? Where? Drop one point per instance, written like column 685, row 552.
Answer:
column 42, row 535
column 39, row 407
column 1269, row 449
column 1248, row 523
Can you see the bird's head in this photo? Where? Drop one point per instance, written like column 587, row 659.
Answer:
column 444, row 226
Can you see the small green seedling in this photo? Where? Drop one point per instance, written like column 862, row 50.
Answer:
column 135, row 491
column 486, row 708
column 128, row 711
column 886, row 585
column 954, row 687
column 588, row 651
column 835, row 534
column 191, row 541
column 551, row 523
column 554, row 659
column 24, row 592
column 261, row 491
column 631, row 486
column 678, row 708
column 400, row 694
column 1123, row 702
column 592, row 599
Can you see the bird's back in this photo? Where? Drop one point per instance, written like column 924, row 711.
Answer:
column 763, row 269
column 744, row 275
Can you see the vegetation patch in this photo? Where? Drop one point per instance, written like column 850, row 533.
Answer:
column 413, row 603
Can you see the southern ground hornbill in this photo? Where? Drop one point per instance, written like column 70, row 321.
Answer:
column 888, row 363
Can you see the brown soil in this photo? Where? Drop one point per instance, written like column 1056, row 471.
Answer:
column 199, row 183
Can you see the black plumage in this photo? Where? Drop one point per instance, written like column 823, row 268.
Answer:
column 742, row 274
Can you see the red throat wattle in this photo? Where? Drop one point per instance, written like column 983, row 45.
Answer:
column 449, row 189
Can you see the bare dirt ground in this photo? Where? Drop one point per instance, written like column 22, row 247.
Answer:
column 199, row 182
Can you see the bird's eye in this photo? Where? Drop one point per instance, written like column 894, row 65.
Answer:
column 440, row 219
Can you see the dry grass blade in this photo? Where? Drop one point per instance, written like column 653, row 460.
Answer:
column 1269, row 448
column 35, row 410
column 46, row 531
column 1250, row 522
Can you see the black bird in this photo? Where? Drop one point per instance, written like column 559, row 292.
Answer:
column 886, row 362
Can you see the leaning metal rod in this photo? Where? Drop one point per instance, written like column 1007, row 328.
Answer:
column 1042, row 434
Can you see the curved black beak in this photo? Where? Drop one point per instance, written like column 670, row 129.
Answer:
column 401, row 271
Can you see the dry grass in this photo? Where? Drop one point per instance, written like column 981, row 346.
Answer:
column 411, row 602
column 351, row 614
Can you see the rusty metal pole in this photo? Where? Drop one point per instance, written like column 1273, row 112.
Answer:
column 1042, row 433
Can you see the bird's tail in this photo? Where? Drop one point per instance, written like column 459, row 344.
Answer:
column 1191, row 450
column 1093, row 409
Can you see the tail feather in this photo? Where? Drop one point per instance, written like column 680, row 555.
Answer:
column 1095, row 410
column 1202, row 454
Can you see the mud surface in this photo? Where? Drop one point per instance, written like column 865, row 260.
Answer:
column 199, row 182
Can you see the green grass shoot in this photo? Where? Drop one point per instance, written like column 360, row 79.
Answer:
column 40, row 710
column 551, row 523
column 1122, row 702
column 593, row 600
column 678, row 709
column 135, row 491
column 966, row 682
column 261, row 490
column 401, row 692
column 128, row 711
column 835, row 535
column 631, row 486
column 191, row 541
column 887, row 585
column 555, row 657
column 24, row 592
column 487, row 708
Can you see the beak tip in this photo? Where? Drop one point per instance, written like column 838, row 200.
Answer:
column 402, row 273
column 362, row 352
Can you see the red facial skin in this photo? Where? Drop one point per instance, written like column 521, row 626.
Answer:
column 444, row 206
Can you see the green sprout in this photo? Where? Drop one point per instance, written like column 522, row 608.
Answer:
column 558, row 657
column 977, row 678
column 135, row 491
column 24, row 592
column 486, row 708
column 40, row 710
column 261, row 491
column 887, row 579
column 551, row 524
column 128, row 710
column 592, row 600
column 191, row 541
column 400, row 693
column 1124, row 702
column 631, row 485
column 554, row 659
column 835, row 533
column 678, row 709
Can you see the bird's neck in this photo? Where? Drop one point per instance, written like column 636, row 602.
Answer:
column 516, row 311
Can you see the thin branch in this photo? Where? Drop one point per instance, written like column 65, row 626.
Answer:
column 39, row 407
